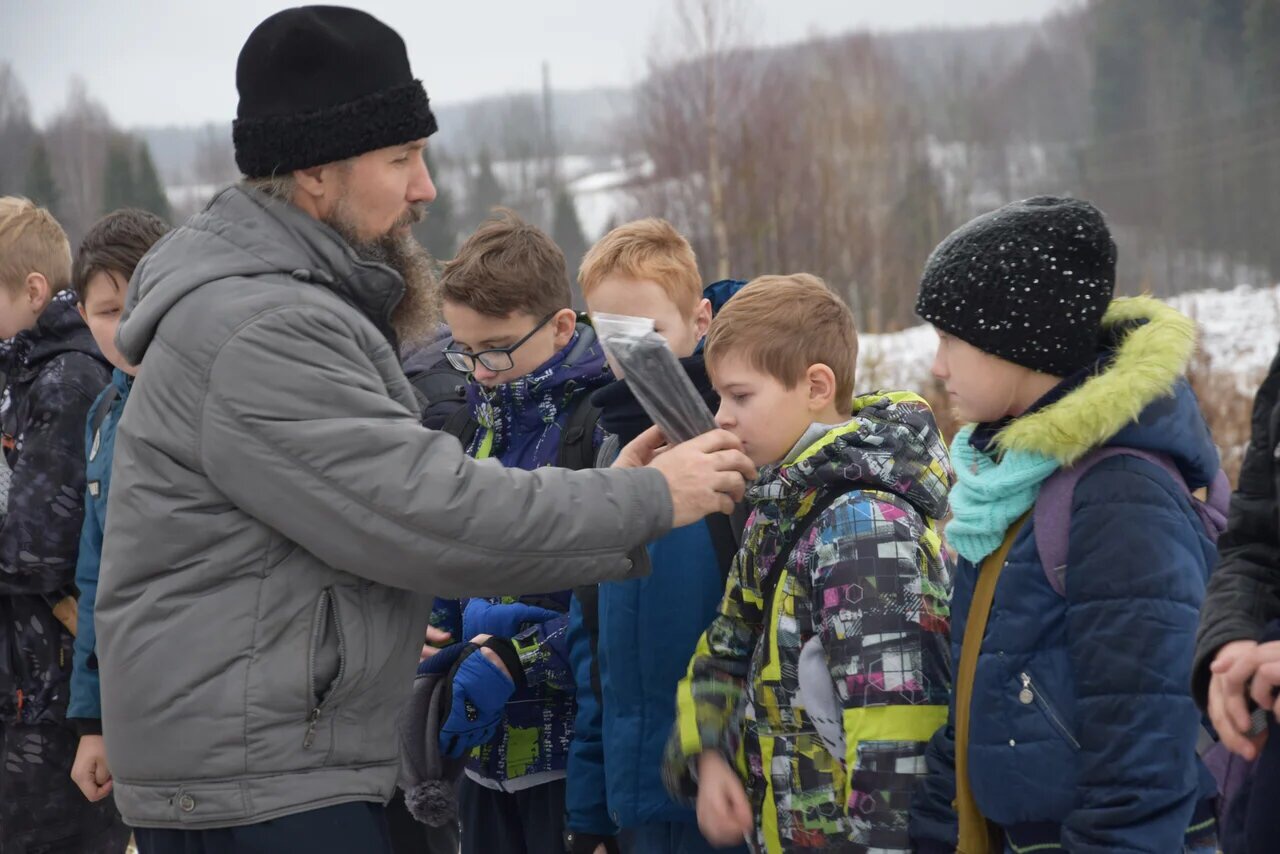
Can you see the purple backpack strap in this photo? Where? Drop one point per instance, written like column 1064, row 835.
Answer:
column 1052, row 514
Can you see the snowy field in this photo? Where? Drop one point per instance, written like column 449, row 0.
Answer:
column 1239, row 334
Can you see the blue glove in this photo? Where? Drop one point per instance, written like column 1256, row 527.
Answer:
column 442, row 660
column 483, row 617
column 480, row 693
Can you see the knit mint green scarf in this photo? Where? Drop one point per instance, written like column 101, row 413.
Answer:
column 989, row 496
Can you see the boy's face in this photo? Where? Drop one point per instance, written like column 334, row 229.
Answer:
column 645, row 298
column 981, row 388
column 474, row 332
column 103, row 303
column 20, row 307
column 756, row 407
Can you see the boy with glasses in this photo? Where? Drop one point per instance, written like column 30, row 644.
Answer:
column 531, row 368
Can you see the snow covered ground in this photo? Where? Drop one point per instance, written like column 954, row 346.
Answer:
column 1240, row 333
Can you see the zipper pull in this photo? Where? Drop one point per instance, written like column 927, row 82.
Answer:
column 1026, row 695
column 312, row 720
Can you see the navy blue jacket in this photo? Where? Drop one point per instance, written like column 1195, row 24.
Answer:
column 648, row 628
column 1098, row 753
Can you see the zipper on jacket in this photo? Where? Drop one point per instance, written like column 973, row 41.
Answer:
column 1029, row 694
column 326, row 613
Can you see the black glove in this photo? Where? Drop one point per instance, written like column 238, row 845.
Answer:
column 586, row 843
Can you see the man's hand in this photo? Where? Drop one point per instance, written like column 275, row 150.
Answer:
column 1232, row 668
column 436, row 638
column 90, row 771
column 724, row 813
column 706, row 475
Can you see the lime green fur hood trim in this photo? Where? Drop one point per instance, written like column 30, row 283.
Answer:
column 1148, row 364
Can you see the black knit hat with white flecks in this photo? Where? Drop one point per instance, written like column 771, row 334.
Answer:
column 319, row 84
column 1028, row 282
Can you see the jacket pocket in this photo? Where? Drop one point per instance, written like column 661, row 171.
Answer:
column 1029, row 693
column 326, row 660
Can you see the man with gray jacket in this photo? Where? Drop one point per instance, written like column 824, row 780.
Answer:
column 279, row 520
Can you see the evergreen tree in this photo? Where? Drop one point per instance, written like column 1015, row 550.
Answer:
column 486, row 192
column 566, row 231
column 439, row 231
column 148, row 189
column 118, row 183
column 40, row 186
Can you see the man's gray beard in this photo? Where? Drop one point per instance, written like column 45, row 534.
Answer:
column 417, row 315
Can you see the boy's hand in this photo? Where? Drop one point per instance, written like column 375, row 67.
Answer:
column 506, row 621
column 707, row 474
column 1232, row 668
column 435, row 639
column 724, row 814
column 90, row 771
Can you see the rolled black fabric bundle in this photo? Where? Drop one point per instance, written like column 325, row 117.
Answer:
column 655, row 376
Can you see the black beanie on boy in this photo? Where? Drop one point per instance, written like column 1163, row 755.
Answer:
column 320, row 84
column 1028, row 282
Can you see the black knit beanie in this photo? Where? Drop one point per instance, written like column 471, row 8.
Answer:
column 323, row 83
column 1028, row 282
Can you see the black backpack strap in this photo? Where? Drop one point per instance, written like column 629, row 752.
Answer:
column 726, row 535
column 462, row 426
column 785, row 548
column 108, row 398
column 577, row 438
column 589, row 601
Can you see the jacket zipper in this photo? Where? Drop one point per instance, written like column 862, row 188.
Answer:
column 1029, row 694
column 326, row 612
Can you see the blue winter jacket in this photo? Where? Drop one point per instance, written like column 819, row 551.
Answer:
column 86, row 705
column 648, row 629
column 1083, row 730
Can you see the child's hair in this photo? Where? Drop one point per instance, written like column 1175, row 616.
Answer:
column 115, row 244
column 649, row 249
column 31, row 241
column 782, row 325
column 508, row 266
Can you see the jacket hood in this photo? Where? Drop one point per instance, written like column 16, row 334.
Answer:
column 243, row 233
column 59, row 330
column 892, row 444
column 1140, row 399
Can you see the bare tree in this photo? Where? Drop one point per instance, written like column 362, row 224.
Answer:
column 78, row 139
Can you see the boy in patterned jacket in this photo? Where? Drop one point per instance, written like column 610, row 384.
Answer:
column 531, row 368
column 804, row 716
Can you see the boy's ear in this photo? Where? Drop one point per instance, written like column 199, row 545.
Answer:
column 702, row 318
column 80, row 308
column 822, row 386
column 564, row 323
column 36, row 289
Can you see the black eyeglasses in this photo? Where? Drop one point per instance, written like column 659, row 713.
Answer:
column 498, row 359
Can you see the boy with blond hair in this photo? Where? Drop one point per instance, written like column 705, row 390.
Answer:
column 631, row 640
column 803, row 719
column 54, row 371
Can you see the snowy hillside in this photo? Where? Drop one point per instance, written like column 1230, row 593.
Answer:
column 1240, row 332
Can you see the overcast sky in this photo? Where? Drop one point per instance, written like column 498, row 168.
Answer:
column 170, row 62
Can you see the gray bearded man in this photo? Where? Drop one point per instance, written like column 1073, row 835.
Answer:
column 279, row 520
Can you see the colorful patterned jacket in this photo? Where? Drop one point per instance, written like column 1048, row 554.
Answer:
column 826, row 701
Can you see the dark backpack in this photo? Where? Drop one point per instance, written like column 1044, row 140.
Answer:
column 1052, row 530
column 441, row 391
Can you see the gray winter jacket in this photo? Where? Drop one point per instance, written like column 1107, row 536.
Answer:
column 279, row 522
